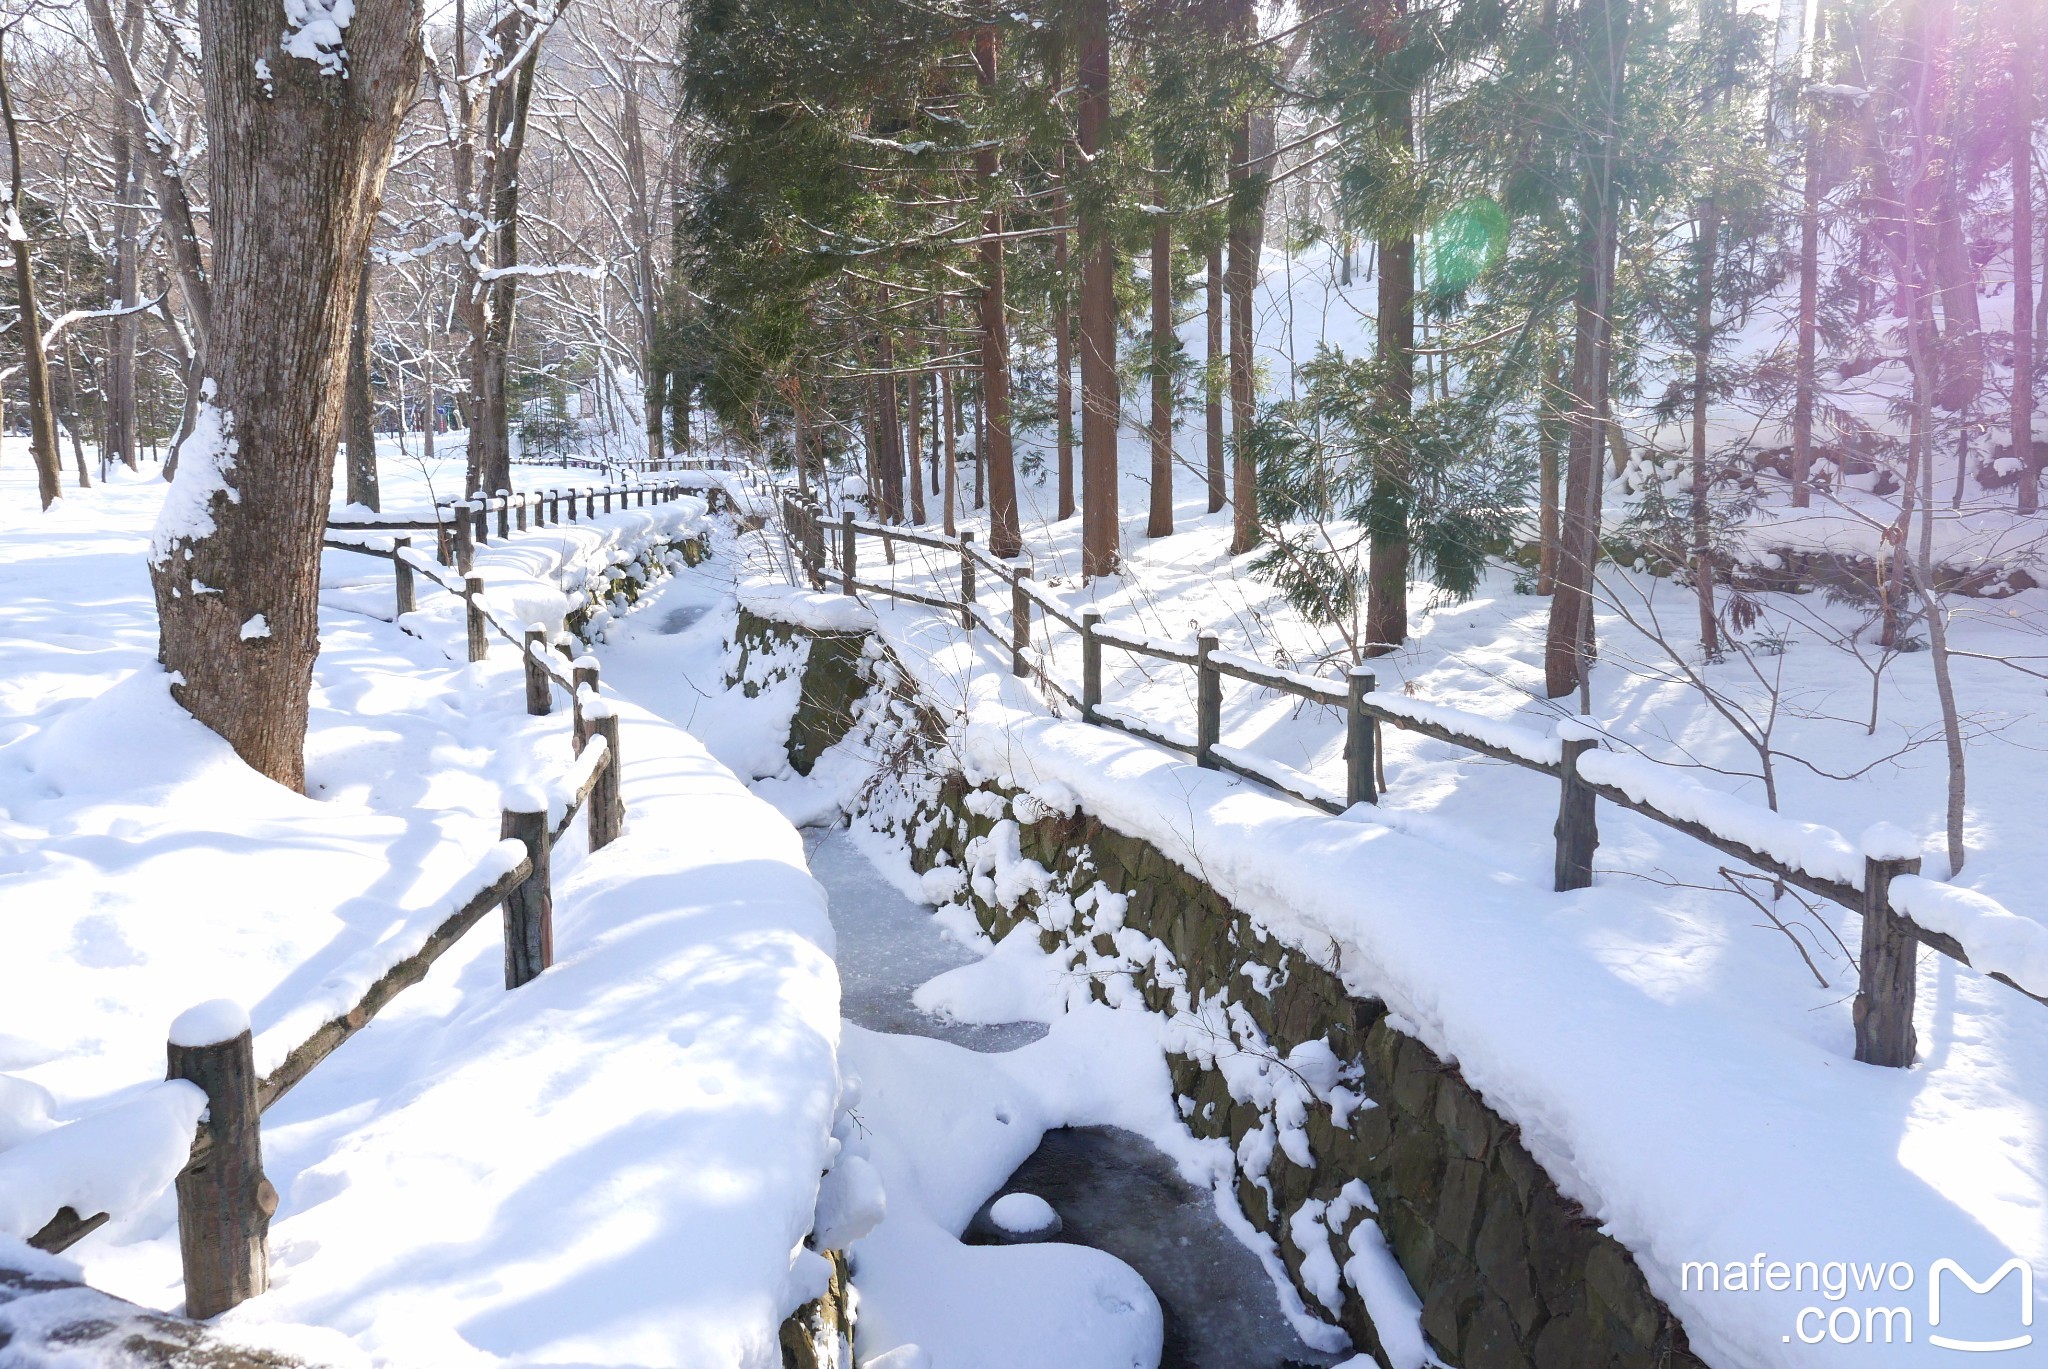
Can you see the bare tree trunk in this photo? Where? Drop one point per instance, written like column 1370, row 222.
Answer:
column 1809, row 309
column 1101, row 404
column 122, row 328
column 1386, row 512
column 2023, row 268
column 1239, row 281
column 1702, row 382
column 1004, row 537
column 1548, row 421
column 1568, row 643
column 1212, row 383
column 42, row 414
column 360, row 417
column 950, row 429
column 888, row 433
column 297, row 171
column 166, row 172
column 1062, row 322
column 1159, row 520
column 495, row 294
column 914, row 451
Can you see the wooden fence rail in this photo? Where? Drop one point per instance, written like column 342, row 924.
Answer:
column 224, row 1203
column 1885, row 1000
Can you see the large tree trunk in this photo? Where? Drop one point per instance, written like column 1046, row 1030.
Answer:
column 1549, row 420
column 2023, row 266
column 914, row 448
column 166, row 172
column 1004, row 538
column 126, row 285
column 1700, row 520
column 949, row 427
column 1386, row 511
column 42, row 413
column 888, row 432
column 360, row 416
column 1101, row 403
column 297, row 170
column 1568, row 643
column 1809, row 305
column 1159, row 514
column 1062, row 322
column 1212, row 383
column 504, row 132
column 1240, row 278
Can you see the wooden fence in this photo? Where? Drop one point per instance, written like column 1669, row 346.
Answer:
column 1883, row 1010
column 224, row 1203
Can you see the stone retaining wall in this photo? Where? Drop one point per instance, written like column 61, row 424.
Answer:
column 1337, row 1116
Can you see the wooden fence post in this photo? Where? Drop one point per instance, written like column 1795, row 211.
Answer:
column 504, row 514
column 590, row 503
column 1208, row 701
column 967, row 579
column 814, row 545
column 224, row 1202
column 473, row 601
column 465, row 540
column 520, row 512
column 849, row 549
column 1020, row 622
column 401, row 578
column 539, row 700
column 607, row 498
column 582, row 675
column 1091, row 665
column 607, row 803
column 1577, row 830
column 530, row 907
column 1885, row 995
column 572, row 506
column 444, row 543
column 1359, row 738
column 480, row 511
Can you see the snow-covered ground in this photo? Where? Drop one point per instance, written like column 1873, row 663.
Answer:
column 615, row 1164
column 1668, row 1052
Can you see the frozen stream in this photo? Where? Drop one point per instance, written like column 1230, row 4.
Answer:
column 1112, row 1189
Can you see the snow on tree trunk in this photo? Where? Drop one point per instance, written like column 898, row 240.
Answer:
column 300, row 136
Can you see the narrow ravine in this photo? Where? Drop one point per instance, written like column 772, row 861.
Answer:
column 1111, row 1188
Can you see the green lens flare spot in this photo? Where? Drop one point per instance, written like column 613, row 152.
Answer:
column 1465, row 243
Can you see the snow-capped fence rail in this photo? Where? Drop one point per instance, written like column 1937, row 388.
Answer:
column 1879, row 880
column 122, row 1156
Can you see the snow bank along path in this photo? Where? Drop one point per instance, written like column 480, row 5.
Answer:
column 1667, row 1070
column 616, row 1165
column 1966, row 926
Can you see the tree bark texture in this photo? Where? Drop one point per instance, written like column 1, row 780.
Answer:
column 1159, row 514
column 298, row 168
column 1212, row 384
column 360, row 431
column 1386, row 512
column 1101, row 403
column 1569, row 639
column 35, row 366
column 1004, row 537
column 1240, row 279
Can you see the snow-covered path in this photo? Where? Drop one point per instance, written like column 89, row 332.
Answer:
column 614, row 1165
